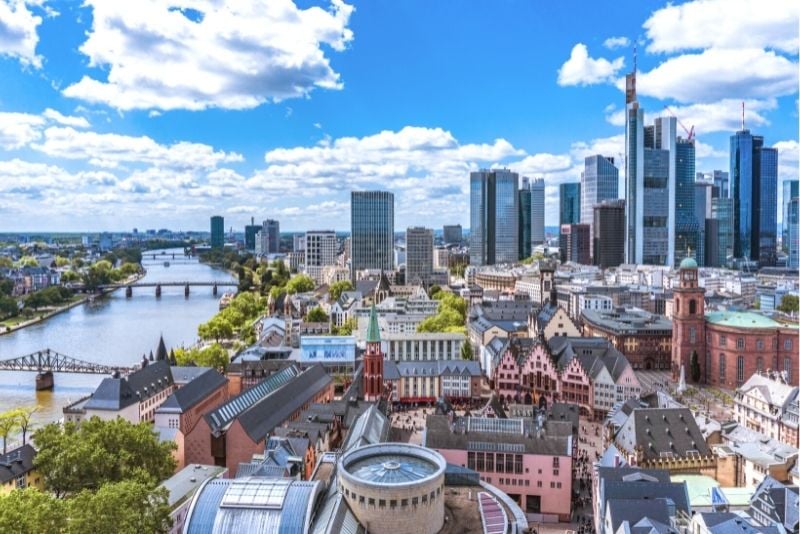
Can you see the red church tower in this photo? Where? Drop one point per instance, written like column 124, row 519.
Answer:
column 373, row 360
column 689, row 325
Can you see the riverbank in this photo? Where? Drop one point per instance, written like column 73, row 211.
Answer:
column 13, row 324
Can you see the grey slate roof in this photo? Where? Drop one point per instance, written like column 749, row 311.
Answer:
column 394, row 370
column 778, row 502
column 16, row 463
column 194, row 392
column 634, row 510
column 563, row 411
column 371, row 427
column 661, row 432
column 592, row 352
column 117, row 393
column 732, row 523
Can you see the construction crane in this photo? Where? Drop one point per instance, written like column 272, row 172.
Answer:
column 689, row 131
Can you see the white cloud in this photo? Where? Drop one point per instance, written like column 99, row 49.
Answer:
column 722, row 116
column 18, row 36
column 19, row 129
column 616, row 42
column 725, row 24
column 788, row 158
column 222, row 54
column 702, row 150
column 718, row 73
column 580, row 69
column 109, row 150
column 65, row 120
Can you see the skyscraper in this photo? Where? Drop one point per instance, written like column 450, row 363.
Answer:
column 452, row 233
column 524, row 236
column 537, row 211
column 419, row 255
column 574, row 243
column 599, row 182
column 650, row 184
column 609, row 233
column 494, row 217
column 722, row 210
column 793, row 218
column 321, row 247
column 569, row 202
column 702, row 210
column 371, row 230
column 719, row 181
column 250, row 232
column 217, row 231
column 271, row 232
column 688, row 242
column 754, row 189
column 791, row 189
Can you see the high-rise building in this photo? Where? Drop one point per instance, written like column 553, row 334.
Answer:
column 650, row 184
column 371, row 230
column 722, row 210
column 609, row 233
column 217, row 231
column 719, row 181
column 494, row 217
column 271, row 232
column 791, row 189
column 711, row 248
column 537, row 211
column 574, row 243
column 298, row 242
column 703, row 190
column 250, row 232
column 320, row 251
column 793, row 218
column 419, row 255
column 452, row 233
column 754, row 188
column 569, row 203
column 599, row 182
column 688, row 231
column 524, row 235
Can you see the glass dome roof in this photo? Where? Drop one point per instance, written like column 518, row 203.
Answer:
column 391, row 468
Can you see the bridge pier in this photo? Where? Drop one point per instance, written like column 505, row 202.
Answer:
column 214, row 290
column 186, row 290
column 158, row 290
column 44, row 381
column 128, row 291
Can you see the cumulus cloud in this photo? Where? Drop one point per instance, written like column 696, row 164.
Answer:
column 19, row 129
column 616, row 42
column 724, row 115
column 65, row 120
column 580, row 69
column 724, row 24
column 216, row 54
column 788, row 158
column 18, row 35
column 718, row 73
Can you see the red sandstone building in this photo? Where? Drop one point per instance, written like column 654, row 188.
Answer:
column 729, row 346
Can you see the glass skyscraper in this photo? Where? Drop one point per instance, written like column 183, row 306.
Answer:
column 688, row 241
column 371, row 231
column 754, row 189
column 792, row 220
column 494, row 217
column 569, row 202
column 525, row 201
column 791, row 189
column 217, row 231
column 722, row 210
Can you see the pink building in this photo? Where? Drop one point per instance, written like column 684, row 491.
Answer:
column 532, row 465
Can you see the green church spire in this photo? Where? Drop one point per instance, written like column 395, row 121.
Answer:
column 373, row 332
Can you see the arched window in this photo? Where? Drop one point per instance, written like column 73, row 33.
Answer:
column 677, row 305
column 692, row 307
column 721, row 367
column 740, row 369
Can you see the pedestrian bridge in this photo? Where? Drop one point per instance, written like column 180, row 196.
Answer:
column 47, row 361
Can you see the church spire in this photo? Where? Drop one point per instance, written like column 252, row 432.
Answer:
column 373, row 331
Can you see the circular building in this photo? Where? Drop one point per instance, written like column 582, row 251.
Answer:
column 394, row 488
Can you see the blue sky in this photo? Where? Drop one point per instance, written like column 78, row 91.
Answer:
column 147, row 114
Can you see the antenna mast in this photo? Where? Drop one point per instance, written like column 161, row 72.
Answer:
column 742, row 115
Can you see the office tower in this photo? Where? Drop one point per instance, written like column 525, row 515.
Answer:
column 574, row 243
column 703, row 190
column 599, row 182
column 258, row 250
column 298, row 242
column 217, row 231
column 452, row 233
column 754, row 184
column 722, row 210
column 609, row 233
column 711, row 248
column 494, row 217
column 537, row 211
column 250, row 231
column 371, row 231
column 688, row 241
column 271, row 236
column 650, row 184
column 791, row 189
column 525, row 214
column 793, row 216
column 569, row 202
column 320, row 251
column 419, row 255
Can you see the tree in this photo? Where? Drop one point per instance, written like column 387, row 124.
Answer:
column 337, row 288
column 212, row 356
column 126, row 507
column 216, row 328
column 346, row 329
column 789, row 304
column 30, row 511
column 61, row 261
column 317, row 315
column 694, row 365
column 6, row 286
column 466, row 350
column 301, row 283
column 9, row 423
column 24, row 416
column 8, row 307
column 73, row 458
column 434, row 290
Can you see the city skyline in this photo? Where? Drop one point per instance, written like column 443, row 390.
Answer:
column 91, row 140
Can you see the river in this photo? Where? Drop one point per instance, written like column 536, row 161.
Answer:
column 111, row 330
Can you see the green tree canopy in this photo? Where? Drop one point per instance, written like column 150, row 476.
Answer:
column 126, row 507
column 317, row 315
column 466, row 350
column 212, row 356
column 451, row 315
column 337, row 288
column 346, row 329
column 301, row 283
column 73, row 458
column 30, row 511
column 789, row 304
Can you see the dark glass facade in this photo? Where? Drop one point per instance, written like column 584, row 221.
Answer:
column 525, row 212
column 217, row 231
column 371, row 230
column 687, row 227
column 569, row 196
column 494, row 217
column 791, row 189
column 609, row 234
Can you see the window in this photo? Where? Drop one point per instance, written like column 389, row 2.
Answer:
column 393, row 503
column 760, row 344
column 471, row 460
column 692, row 307
column 555, row 462
column 740, row 343
column 371, row 501
column 760, row 364
column 555, row 472
column 499, row 463
column 558, row 485
column 692, row 334
column 723, row 341
column 722, row 367
column 787, row 367
column 518, row 464
column 414, row 501
column 740, row 369
column 533, row 504
column 404, row 503
column 552, row 485
column 538, row 483
column 787, row 344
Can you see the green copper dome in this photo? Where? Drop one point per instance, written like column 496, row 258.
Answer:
column 373, row 332
column 688, row 263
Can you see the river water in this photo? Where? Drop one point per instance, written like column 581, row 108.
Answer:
column 111, row 330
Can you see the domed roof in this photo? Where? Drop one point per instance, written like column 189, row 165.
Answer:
column 688, row 263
